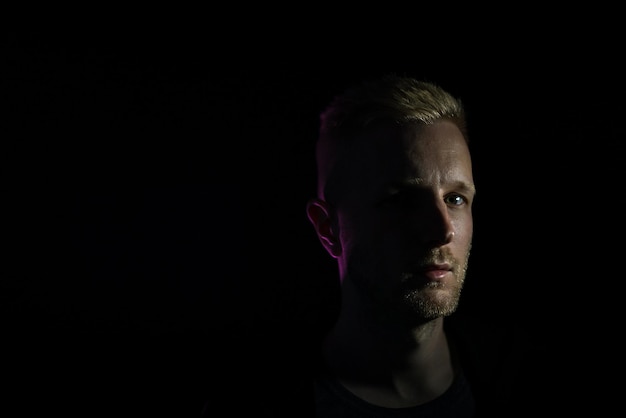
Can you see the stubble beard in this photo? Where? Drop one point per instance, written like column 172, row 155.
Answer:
column 430, row 301
column 437, row 299
column 434, row 299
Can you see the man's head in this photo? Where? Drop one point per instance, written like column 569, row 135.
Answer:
column 395, row 192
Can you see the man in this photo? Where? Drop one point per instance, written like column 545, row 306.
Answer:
column 394, row 209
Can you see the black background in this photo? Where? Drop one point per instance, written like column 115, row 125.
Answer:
column 154, row 189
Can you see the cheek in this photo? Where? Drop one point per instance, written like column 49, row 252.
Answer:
column 359, row 238
column 464, row 231
column 366, row 238
column 358, row 225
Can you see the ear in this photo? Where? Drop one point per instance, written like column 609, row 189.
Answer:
column 319, row 213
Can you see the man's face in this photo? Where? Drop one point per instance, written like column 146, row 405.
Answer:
column 404, row 219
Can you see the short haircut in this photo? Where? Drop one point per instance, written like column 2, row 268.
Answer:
column 391, row 100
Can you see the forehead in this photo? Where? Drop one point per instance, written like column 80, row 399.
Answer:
column 434, row 156
column 413, row 149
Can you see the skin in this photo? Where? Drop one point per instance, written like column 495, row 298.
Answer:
column 401, row 234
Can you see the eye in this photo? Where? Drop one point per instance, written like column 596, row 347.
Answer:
column 455, row 200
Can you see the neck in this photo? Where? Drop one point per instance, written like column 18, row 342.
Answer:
column 385, row 348
column 387, row 363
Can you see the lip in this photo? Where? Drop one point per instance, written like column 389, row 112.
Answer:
column 435, row 274
column 436, row 271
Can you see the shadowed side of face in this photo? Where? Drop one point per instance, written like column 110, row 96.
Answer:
column 402, row 211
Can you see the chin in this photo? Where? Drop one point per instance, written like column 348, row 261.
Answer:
column 431, row 303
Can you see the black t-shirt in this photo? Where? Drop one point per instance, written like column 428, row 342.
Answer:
column 499, row 377
column 332, row 400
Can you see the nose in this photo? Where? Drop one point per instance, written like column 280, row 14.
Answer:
column 438, row 229
column 449, row 237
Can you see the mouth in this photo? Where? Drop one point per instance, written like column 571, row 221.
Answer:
column 430, row 273
column 436, row 274
column 436, row 267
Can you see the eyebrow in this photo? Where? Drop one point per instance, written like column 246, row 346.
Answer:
column 416, row 182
